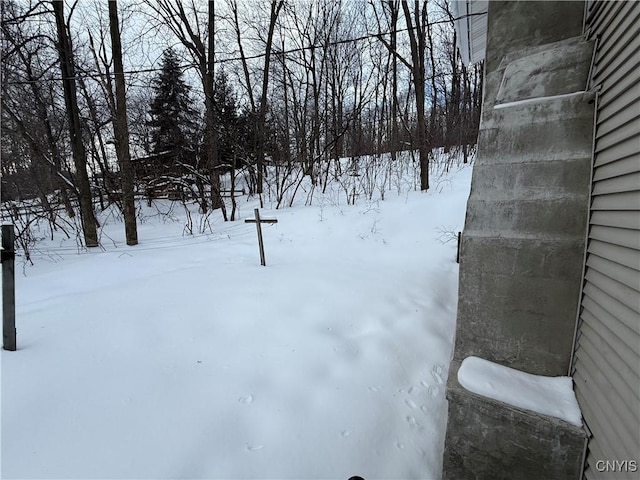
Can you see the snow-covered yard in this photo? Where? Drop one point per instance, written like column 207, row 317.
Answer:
column 183, row 358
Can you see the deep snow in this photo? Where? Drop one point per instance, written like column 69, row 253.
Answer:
column 183, row 358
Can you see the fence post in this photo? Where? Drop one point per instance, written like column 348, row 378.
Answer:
column 8, row 289
column 458, row 254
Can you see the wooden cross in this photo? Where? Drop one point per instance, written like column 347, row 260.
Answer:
column 259, row 221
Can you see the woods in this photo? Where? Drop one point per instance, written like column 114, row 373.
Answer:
column 105, row 102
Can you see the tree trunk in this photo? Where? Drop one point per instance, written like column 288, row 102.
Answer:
column 417, row 43
column 121, row 130
column 243, row 59
column 275, row 10
column 287, row 138
column 434, row 137
column 71, row 101
column 211, row 134
column 249, row 89
column 393, row 5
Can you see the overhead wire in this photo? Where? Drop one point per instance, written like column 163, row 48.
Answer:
column 187, row 66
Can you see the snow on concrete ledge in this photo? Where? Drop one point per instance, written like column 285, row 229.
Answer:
column 551, row 396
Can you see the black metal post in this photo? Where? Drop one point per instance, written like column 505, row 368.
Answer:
column 8, row 289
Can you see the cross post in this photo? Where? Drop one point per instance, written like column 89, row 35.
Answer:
column 258, row 221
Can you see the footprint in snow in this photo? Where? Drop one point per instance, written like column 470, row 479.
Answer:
column 254, row 448
column 436, row 373
column 246, row 400
column 410, row 403
column 412, row 422
column 434, row 390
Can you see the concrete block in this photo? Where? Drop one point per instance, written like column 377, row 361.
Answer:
column 557, row 110
column 488, row 439
column 536, row 257
column 536, row 145
column 518, row 25
column 525, row 323
column 561, row 217
column 532, row 180
column 560, row 68
column 535, row 49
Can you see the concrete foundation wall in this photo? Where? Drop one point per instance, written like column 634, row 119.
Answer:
column 524, row 240
column 523, row 243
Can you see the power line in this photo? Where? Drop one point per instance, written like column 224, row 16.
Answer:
column 187, row 66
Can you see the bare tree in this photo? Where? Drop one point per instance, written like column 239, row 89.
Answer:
column 416, row 22
column 211, row 134
column 89, row 222
column 121, row 130
column 394, row 9
column 316, row 86
column 418, row 46
column 235, row 23
column 276, row 6
column 27, row 52
column 434, row 130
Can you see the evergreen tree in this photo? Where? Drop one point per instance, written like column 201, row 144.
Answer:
column 173, row 121
column 226, row 119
